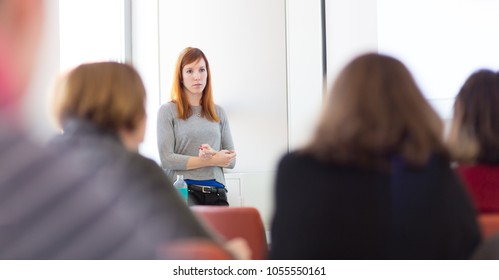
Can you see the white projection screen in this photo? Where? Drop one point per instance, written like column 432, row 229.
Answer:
column 442, row 42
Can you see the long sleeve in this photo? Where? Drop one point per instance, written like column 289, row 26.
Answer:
column 226, row 142
column 166, row 139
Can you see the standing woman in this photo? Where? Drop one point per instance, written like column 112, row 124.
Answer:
column 194, row 138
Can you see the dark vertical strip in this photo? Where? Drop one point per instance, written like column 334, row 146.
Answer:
column 286, row 43
column 324, row 47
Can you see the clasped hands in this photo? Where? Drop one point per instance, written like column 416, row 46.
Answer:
column 223, row 157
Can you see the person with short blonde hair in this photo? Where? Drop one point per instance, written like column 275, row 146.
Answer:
column 109, row 95
column 106, row 201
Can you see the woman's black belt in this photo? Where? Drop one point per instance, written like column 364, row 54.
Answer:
column 206, row 189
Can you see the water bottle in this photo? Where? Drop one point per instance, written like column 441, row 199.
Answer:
column 181, row 186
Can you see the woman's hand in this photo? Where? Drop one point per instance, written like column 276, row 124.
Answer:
column 206, row 151
column 223, row 158
column 209, row 157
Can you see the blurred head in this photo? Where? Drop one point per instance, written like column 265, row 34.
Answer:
column 21, row 26
column 374, row 111
column 185, row 82
column 474, row 134
column 110, row 95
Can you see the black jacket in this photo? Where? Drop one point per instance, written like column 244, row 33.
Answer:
column 330, row 211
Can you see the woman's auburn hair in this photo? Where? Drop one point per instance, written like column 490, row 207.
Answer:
column 474, row 132
column 178, row 93
column 110, row 95
column 376, row 111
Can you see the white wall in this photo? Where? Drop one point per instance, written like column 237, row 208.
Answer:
column 305, row 68
column 352, row 29
column 244, row 42
column 145, row 58
column 442, row 42
column 90, row 31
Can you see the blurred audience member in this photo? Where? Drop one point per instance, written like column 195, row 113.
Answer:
column 375, row 181
column 474, row 138
column 101, row 109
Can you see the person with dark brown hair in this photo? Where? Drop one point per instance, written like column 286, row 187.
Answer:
column 474, row 138
column 375, row 180
column 194, row 138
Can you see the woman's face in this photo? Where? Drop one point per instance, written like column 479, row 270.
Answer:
column 194, row 76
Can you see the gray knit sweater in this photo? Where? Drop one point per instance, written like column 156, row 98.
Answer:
column 179, row 139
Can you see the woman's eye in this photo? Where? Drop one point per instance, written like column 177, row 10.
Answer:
column 202, row 70
column 188, row 71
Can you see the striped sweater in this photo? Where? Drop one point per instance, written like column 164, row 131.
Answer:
column 85, row 197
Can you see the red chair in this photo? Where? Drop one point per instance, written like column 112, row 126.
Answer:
column 194, row 249
column 233, row 222
column 489, row 224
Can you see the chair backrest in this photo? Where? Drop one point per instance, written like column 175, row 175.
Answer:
column 489, row 224
column 233, row 222
column 194, row 249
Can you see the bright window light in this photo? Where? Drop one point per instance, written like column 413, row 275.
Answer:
column 90, row 31
column 442, row 42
